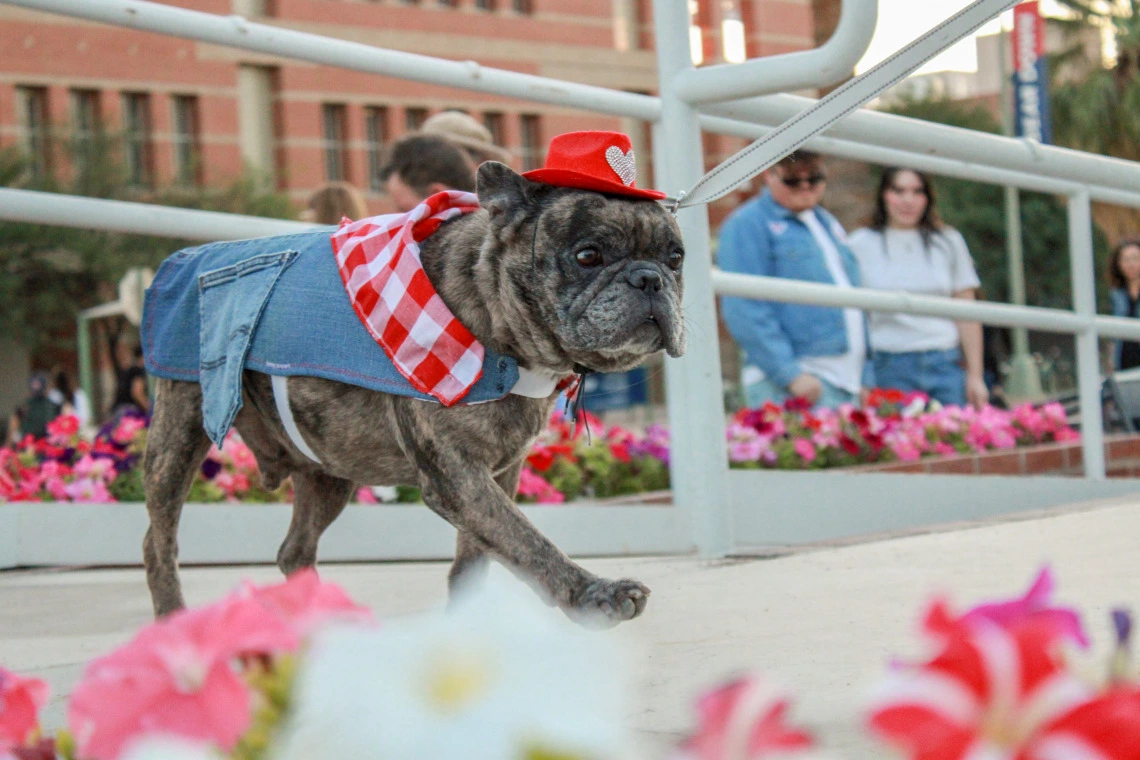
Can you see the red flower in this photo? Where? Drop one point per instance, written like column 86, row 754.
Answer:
column 797, row 404
column 849, row 444
column 743, row 720
column 1106, row 728
column 620, row 452
column 63, row 427
column 20, row 702
column 859, row 418
column 540, row 458
column 991, row 691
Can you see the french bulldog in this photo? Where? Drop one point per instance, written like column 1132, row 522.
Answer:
column 561, row 279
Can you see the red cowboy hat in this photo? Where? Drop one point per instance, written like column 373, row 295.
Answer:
column 600, row 161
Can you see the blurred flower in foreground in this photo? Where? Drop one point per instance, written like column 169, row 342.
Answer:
column 1000, row 688
column 499, row 677
column 20, row 702
column 743, row 720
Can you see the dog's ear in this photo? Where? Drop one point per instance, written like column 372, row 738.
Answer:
column 501, row 190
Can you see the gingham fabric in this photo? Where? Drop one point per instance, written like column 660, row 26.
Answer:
column 379, row 262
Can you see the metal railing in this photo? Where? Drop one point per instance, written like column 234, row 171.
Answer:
column 699, row 476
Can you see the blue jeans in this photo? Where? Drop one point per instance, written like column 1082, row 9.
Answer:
column 755, row 394
column 938, row 374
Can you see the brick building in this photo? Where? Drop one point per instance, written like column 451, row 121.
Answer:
column 199, row 114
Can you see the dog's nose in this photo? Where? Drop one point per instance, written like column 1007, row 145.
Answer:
column 645, row 278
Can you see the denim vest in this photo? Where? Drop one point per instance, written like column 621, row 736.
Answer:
column 276, row 305
column 764, row 238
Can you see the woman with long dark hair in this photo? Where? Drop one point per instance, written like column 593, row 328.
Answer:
column 906, row 247
column 1124, row 279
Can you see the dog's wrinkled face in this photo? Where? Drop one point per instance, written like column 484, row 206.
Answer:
column 598, row 276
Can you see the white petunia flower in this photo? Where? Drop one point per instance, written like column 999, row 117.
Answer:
column 498, row 677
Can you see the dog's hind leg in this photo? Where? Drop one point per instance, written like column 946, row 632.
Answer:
column 471, row 554
column 318, row 499
column 176, row 445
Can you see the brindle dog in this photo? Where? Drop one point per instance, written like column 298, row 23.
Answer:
column 557, row 278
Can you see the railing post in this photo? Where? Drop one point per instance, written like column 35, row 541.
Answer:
column 1088, row 355
column 698, row 462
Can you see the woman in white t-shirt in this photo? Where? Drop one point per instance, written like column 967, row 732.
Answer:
column 908, row 248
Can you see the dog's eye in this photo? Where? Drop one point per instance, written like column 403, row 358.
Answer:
column 676, row 259
column 588, row 257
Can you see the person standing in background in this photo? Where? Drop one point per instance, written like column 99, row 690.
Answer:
column 817, row 353
column 1124, row 280
column 907, row 248
column 332, row 202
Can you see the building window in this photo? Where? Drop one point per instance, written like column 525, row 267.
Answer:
column 494, row 124
column 137, row 126
column 525, row 7
column 187, row 140
column 86, row 124
column 375, row 136
column 334, row 120
column 486, row 5
column 414, row 118
column 531, row 142
column 33, row 105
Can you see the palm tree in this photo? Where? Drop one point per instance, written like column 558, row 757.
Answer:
column 1097, row 108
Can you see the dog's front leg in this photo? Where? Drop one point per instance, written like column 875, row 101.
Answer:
column 468, row 497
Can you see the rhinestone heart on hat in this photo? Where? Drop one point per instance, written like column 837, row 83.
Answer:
column 623, row 164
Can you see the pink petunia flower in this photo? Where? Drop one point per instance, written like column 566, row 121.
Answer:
column 88, row 490
column 177, row 676
column 743, row 720
column 305, row 603
column 128, row 427
column 21, row 700
column 1034, row 605
column 63, row 428
column 805, row 449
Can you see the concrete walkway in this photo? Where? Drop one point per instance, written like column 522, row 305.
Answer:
column 822, row 620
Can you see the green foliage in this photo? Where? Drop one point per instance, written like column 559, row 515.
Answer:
column 49, row 273
column 1098, row 109
column 977, row 210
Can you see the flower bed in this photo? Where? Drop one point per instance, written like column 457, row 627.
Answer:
column 298, row 671
column 588, row 460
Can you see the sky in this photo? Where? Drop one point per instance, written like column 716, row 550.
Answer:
column 902, row 20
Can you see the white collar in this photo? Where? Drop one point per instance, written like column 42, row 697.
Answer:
column 535, row 384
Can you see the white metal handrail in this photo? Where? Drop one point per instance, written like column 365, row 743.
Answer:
column 868, row 127
column 826, row 65
column 139, row 218
column 921, row 137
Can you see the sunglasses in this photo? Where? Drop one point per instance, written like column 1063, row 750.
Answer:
column 809, row 181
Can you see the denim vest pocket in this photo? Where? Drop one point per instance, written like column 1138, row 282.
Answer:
column 231, row 301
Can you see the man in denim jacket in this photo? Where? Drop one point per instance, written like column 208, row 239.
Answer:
column 814, row 352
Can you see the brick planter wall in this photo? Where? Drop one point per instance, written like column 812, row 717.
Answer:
column 1121, row 453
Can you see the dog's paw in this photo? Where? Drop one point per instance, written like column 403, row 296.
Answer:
column 605, row 603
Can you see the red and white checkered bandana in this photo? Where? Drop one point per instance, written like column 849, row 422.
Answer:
column 379, row 262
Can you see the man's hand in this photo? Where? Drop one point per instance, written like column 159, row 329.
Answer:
column 977, row 394
column 806, row 386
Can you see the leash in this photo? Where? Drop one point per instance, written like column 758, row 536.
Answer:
column 794, row 132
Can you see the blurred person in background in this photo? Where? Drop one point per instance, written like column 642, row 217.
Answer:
column 332, row 202
column 818, row 353
column 463, row 131
column 420, row 166
column 33, row 416
column 1124, row 281
column 71, row 400
column 907, row 248
column 131, row 392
